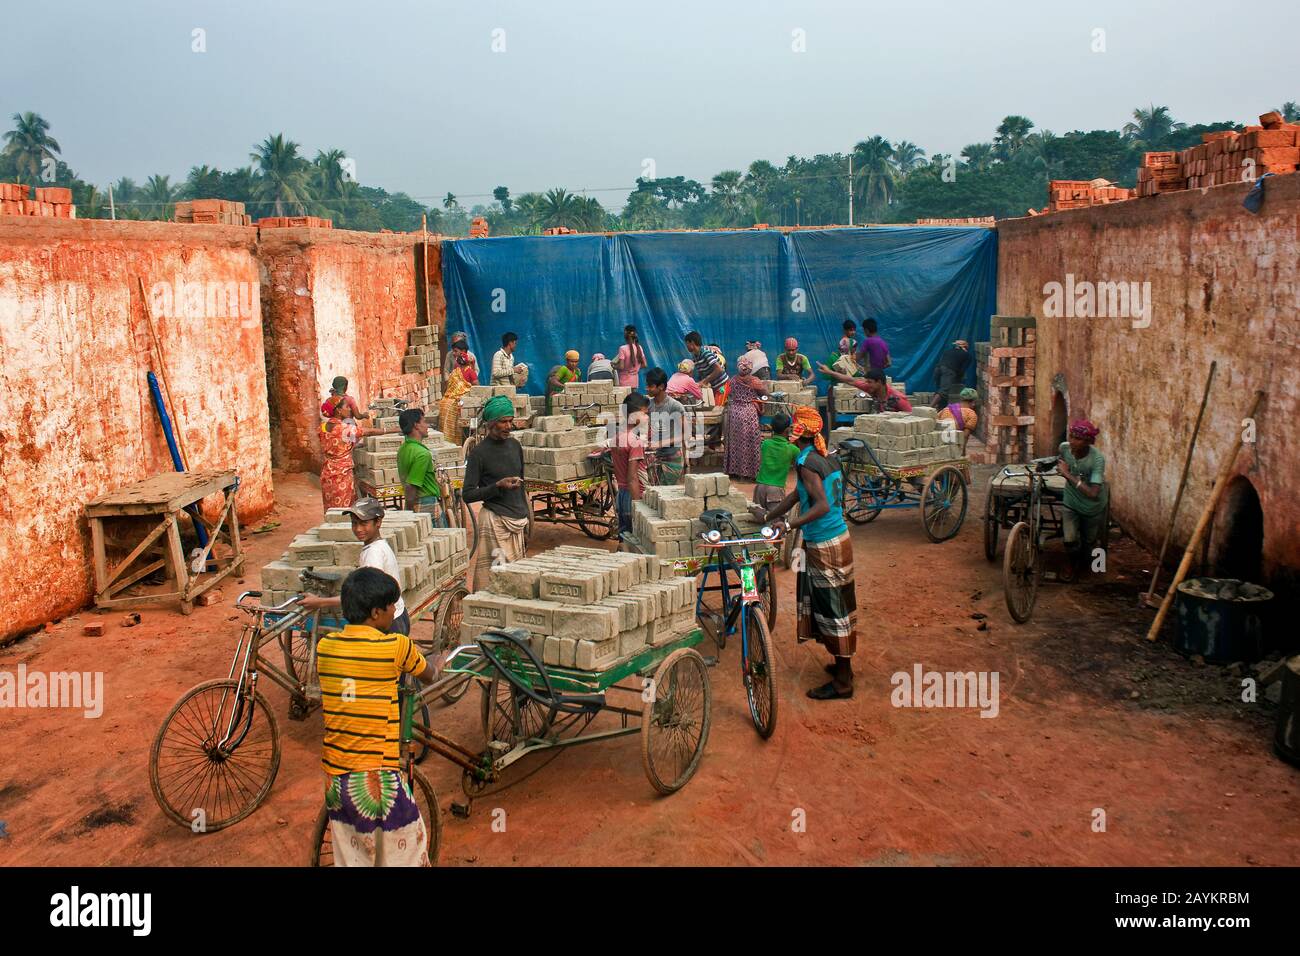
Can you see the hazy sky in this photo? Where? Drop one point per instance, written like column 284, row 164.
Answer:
column 585, row 91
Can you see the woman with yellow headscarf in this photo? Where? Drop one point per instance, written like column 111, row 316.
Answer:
column 827, row 597
column 560, row 375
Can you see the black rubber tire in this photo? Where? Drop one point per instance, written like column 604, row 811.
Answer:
column 992, row 525
column 854, row 508
column 759, row 673
column 948, row 477
column 661, row 709
column 1019, row 579
column 258, row 792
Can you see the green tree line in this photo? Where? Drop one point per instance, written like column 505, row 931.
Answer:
column 891, row 182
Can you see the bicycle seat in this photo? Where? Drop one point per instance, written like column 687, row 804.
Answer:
column 716, row 517
column 852, row 445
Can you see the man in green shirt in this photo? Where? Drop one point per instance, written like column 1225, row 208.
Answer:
column 415, row 466
column 1084, row 470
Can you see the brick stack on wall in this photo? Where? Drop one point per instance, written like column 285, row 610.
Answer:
column 1005, row 372
column 50, row 202
column 213, row 211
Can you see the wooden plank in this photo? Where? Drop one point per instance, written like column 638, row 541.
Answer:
column 149, row 539
column 117, row 587
column 101, row 557
column 170, row 491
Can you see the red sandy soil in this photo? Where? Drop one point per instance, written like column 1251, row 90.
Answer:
column 1091, row 717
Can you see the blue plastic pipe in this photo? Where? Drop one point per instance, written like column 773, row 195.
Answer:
column 166, row 421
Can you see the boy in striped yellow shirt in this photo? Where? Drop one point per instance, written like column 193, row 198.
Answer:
column 374, row 819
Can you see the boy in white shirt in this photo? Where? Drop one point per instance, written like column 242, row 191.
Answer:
column 367, row 518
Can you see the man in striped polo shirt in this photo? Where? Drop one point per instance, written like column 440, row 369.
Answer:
column 374, row 819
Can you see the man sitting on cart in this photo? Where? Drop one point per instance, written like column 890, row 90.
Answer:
column 494, row 475
column 374, row 819
column 1084, row 469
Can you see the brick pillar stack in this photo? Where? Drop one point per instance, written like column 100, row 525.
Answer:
column 1008, row 408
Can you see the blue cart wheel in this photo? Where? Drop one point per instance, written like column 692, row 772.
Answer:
column 862, row 499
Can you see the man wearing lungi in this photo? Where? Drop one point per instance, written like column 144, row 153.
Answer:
column 828, row 601
column 494, row 475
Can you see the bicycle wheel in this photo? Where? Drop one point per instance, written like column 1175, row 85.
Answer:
column 992, row 524
column 759, row 672
column 943, row 504
column 322, row 844
column 595, row 511
column 446, row 632
column 861, row 499
column 675, row 721
column 766, row 576
column 1020, row 573
column 188, row 772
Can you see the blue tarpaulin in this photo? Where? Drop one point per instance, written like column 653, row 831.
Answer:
column 925, row 286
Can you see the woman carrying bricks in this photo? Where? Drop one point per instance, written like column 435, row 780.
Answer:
column 827, row 597
column 494, row 475
column 463, row 375
column 339, row 434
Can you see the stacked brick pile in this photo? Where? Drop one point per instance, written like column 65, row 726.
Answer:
column 1160, row 173
column 794, row 394
column 558, row 231
column 1076, row 193
column 1230, row 157
column 605, row 394
column 222, row 211
column 584, row 608
column 666, row 521
column 968, row 221
column 472, row 402
column 421, row 350
column 903, row 439
column 478, row 228
column 1005, row 370
column 427, row 557
column 375, row 458
column 288, row 222
column 51, row 202
column 555, row 449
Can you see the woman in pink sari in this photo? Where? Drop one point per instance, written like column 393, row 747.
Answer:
column 339, row 434
column 740, row 453
column 630, row 359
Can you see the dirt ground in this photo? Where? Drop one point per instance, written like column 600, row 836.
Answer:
column 1090, row 717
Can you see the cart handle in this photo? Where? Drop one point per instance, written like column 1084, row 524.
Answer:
column 553, row 702
column 271, row 610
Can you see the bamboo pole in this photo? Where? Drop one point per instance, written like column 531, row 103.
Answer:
column 1182, row 485
column 1206, row 514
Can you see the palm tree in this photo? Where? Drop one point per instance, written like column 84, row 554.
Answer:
column 591, row 214
column 30, row 146
column 978, row 156
column 559, row 207
column 1011, row 135
column 203, row 182
column 449, row 201
column 644, row 211
column 328, row 174
column 157, row 197
column 874, row 173
column 907, row 156
column 727, row 195
column 1151, row 127
column 284, row 174
column 1038, row 150
column 1290, row 112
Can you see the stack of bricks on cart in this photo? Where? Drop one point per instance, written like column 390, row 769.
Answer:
column 790, row 392
column 666, row 521
column 375, row 457
column 584, row 608
column 427, row 557
column 50, row 202
column 215, row 211
column 472, row 402
column 606, row 395
column 904, row 439
column 1007, row 389
column 478, row 228
column 421, row 351
column 555, row 449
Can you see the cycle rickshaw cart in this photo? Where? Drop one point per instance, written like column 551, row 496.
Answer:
column 453, row 511
column 216, row 754
column 1027, row 500
column 938, row 489
column 528, row 707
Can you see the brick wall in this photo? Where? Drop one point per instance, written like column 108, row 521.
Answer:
column 76, row 419
column 1225, row 285
column 338, row 303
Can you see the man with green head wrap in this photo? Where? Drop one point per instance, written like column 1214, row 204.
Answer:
column 494, row 475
